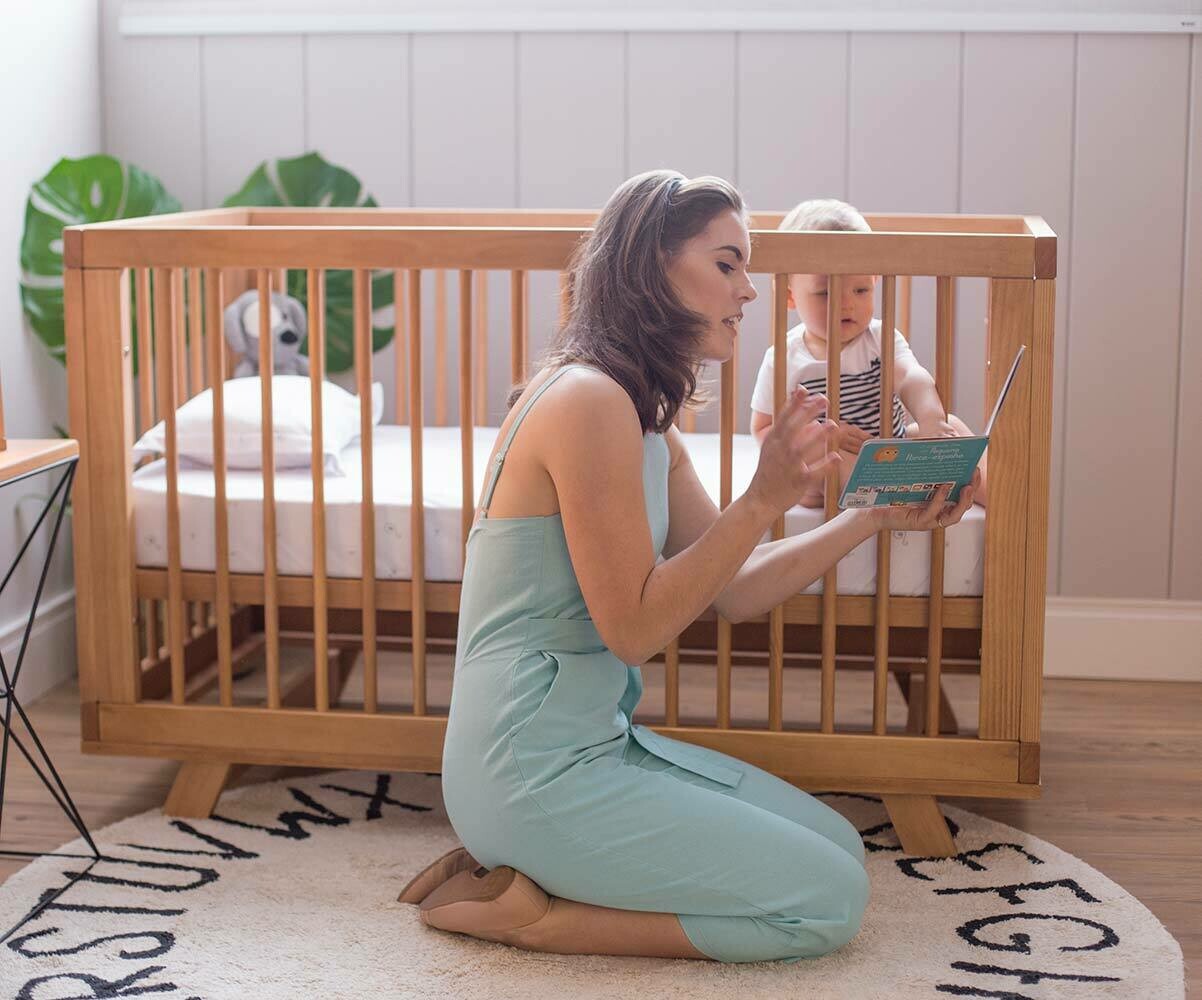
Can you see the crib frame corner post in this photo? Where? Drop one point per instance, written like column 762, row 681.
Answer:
column 1008, row 514
column 1039, row 443
column 100, row 386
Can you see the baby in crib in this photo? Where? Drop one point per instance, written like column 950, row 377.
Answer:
column 917, row 410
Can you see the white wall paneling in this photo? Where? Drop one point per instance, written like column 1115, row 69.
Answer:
column 356, row 105
column 681, row 103
column 1125, row 309
column 464, row 121
column 50, row 76
column 152, row 106
column 1012, row 159
column 1185, row 559
column 254, row 107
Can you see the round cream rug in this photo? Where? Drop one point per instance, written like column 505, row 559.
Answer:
column 290, row 891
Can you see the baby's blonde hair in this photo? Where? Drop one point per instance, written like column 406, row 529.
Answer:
column 825, row 215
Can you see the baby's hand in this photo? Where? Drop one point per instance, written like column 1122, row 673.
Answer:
column 936, row 429
column 851, row 438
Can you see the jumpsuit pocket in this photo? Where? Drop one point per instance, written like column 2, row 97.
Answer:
column 566, row 687
column 697, row 760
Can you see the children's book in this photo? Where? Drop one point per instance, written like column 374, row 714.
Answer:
column 895, row 471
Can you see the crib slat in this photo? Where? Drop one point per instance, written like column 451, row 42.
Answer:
column 466, row 421
column 167, row 288
column 271, row 604
column 146, row 420
column 440, row 348
column 179, row 333
column 517, row 327
column 417, row 521
column 223, row 609
column 780, row 393
column 904, row 290
column 367, row 516
column 147, row 415
column 726, row 467
column 884, row 539
column 195, row 333
column 481, row 350
column 944, row 333
column 672, row 683
column 526, row 323
column 400, row 345
column 565, row 298
column 316, row 295
column 196, row 385
column 830, row 582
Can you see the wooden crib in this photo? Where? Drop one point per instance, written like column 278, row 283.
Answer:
column 200, row 665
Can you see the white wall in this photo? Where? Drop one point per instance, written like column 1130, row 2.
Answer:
column 1093, row 131
column 50, row 78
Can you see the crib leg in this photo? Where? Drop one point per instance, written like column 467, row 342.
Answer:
column 197, row 787
column 920, row 825
column 913, row 689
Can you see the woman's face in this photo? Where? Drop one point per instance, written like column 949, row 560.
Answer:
column 709, row 275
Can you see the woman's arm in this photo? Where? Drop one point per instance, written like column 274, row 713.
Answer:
column 775, row 571
column 591, row 445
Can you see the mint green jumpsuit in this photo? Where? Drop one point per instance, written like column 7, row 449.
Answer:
column 543, row 771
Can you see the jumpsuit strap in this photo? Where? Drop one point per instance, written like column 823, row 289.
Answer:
column 499, row 461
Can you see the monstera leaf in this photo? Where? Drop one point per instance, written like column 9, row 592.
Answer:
column 310, row 181
column 94, row 189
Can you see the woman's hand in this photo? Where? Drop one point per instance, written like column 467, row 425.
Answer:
column 935, row 513
column 796, row 453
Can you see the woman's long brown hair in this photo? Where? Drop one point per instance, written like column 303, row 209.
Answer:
column 626, row 320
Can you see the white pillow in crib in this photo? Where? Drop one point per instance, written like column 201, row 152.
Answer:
column 292, row 427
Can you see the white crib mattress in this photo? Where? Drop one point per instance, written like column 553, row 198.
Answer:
column 909, row 566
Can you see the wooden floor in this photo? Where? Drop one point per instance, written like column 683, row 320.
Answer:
column 1122, row 786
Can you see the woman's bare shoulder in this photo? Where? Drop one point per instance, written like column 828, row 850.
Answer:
column 585, row 400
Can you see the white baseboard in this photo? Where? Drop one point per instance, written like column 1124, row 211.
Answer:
column 50, row 658
column 1118, row 639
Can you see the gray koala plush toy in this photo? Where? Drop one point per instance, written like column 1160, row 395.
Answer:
column 289, row 328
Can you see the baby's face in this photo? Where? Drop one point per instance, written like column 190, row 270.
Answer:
column 808, row 295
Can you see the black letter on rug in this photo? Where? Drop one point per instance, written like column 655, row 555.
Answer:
column 909, row 866
column 165, row 942
column 101, row 989
column 1010, row 893
column 379, row 798
column 1030, row 977
column 292, row 828
column 1021, row 942
column 225, row 851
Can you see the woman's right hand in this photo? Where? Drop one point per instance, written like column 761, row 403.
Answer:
column 796, row 453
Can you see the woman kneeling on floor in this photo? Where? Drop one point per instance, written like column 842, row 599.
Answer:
column 583, row 833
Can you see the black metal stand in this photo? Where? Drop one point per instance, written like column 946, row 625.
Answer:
column 40, row 761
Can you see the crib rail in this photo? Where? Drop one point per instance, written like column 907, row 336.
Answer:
column 155, row 641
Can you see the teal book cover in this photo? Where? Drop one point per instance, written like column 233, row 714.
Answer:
column 903, row 471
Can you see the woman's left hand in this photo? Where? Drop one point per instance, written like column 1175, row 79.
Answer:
column 936, row 513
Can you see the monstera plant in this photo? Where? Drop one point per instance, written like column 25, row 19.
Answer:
column 92, row 189
column 309, row 181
